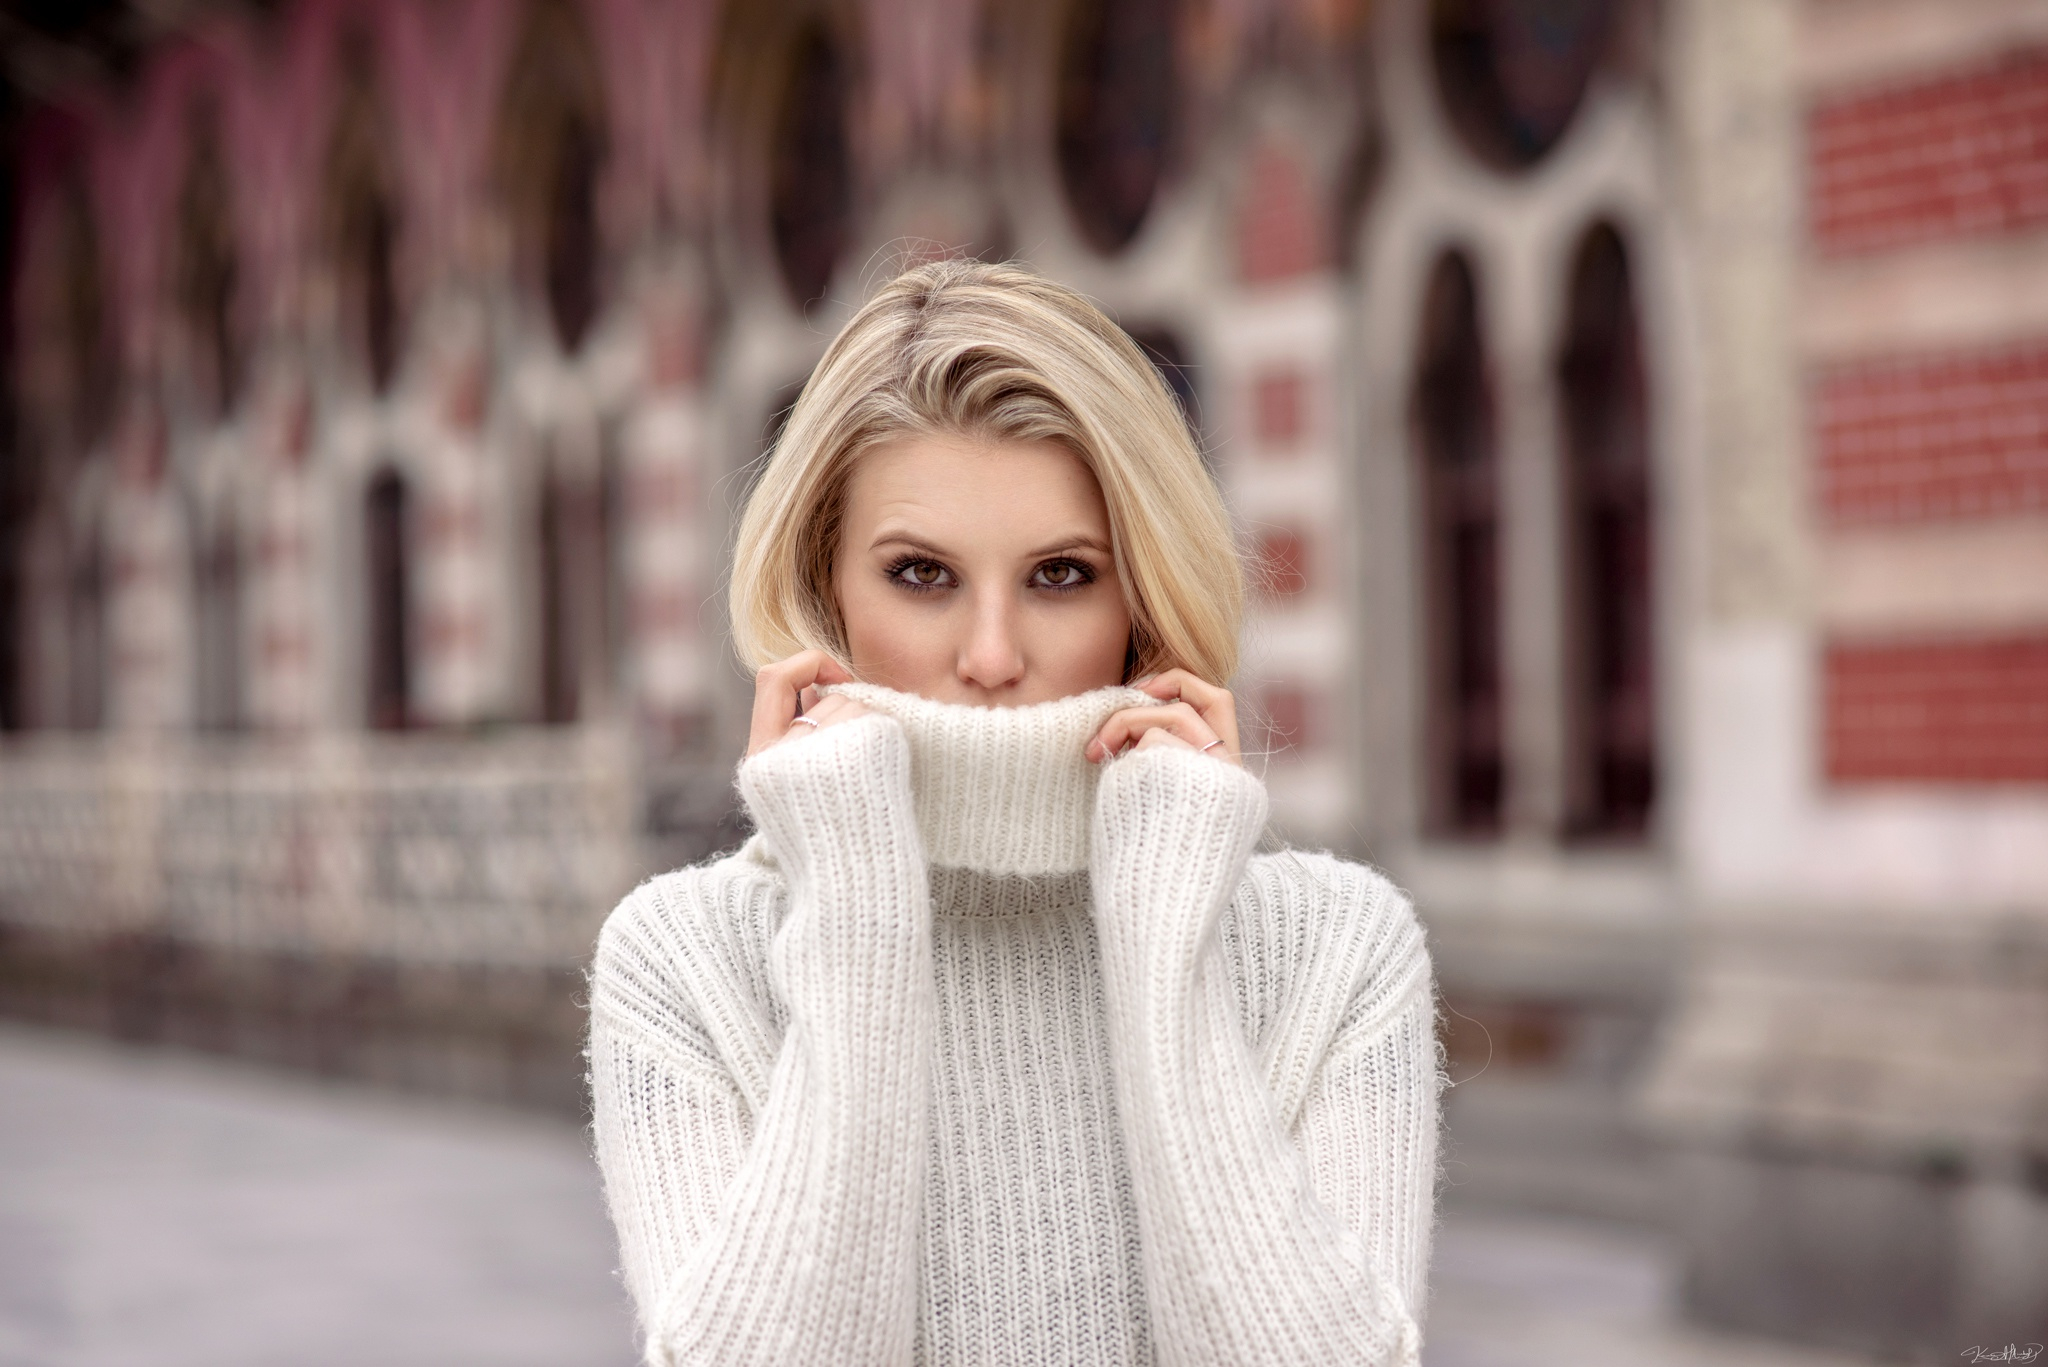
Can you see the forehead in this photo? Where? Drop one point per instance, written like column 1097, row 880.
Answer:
column 1021, row 485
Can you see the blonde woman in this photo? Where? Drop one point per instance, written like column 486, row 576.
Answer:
column 997, row 1042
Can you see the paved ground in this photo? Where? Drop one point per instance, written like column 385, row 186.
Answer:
column 159, row 1210
column 1539, row 1291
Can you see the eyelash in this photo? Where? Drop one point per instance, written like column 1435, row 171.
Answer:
column 1086, row 576
column 902, row 563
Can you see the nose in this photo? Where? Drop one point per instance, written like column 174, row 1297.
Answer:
column 992, row 657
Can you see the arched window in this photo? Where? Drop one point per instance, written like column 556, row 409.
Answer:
column 58, row 356
column 41, row 622
column 15, row 617
column 208, row 279
column 1118, row 92
column 570, row 259
column 363, row 219
column 1465, row 778
column 1610, row 649
column 551, row 150
column 1358, row 186
column 86, row 630
column 88, row 354
column 387, row 588
column 217, row 597
column 578, row 607
column 1512, row 73
column 810, row 192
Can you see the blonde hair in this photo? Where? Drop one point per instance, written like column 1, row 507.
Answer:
column 993, row 353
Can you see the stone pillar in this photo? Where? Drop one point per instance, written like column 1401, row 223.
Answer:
column 148, row 593
column 286, row 647
column 460, row 607
column 668, row 547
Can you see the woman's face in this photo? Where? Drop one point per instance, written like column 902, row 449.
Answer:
column 979, row 573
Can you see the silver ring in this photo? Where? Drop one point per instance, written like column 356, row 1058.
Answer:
column 1205, row 749
column 805, row 720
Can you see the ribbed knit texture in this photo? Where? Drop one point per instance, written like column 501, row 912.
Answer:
column 977, row 1052
column 1001, row 789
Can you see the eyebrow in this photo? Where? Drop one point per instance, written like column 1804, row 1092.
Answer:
column 1072, row 543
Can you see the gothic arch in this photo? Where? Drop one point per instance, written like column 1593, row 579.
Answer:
column 1608, row 546
column 1458, row 475
column 810, row 159
column 785, row 110
column 207, row 279
column 552, row 143
column 363, row 218
column 387, row 652
column 61, row 366
column 87, row 584
column 1512, row 74
column 72, row 322
column 218, row 576
column 1117, row 97
column 576, row 530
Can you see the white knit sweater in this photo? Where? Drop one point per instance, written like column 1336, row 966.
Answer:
column 977, row 1053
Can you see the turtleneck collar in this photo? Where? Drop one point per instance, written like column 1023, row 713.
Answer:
column 1001, row 789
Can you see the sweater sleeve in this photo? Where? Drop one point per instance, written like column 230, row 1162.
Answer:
column 1262, row 1245
column 787, row 1235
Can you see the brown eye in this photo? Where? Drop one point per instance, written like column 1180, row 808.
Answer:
column 921, row 574
column 1062, row 574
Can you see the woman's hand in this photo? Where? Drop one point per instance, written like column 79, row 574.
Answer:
column 1192, row 713
column 788, row 689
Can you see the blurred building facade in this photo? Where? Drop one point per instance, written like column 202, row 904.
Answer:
column 1639, row 416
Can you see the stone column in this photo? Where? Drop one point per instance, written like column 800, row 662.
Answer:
column 669, row 547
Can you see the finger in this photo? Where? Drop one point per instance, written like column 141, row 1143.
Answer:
column 831, row 709
column 1159, row 738
column 813, row 696
column 1126, row 726
column 1126, row 730
column 775, row 701
column 1217, row 705
column 777, row 688
column 1190, row 688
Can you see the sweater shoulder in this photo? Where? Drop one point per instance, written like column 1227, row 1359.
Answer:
column 1315, row 889
column 683, row 958
column 684, row 908
column 1319, row 937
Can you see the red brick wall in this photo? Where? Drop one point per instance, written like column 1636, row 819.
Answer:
column 1964, row 153
column 1279, row 223
column 1934, row 437
column 1962, row 711
column 1280, row 408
